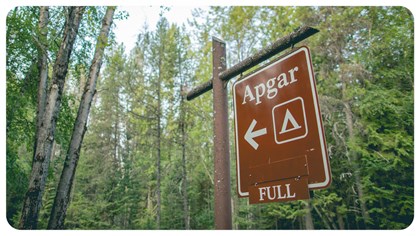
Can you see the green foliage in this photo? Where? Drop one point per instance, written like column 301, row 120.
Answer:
column 364, row 65
column 20, row 105
column 22, row 83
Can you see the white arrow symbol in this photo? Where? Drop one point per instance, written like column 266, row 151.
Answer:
column 250, row 134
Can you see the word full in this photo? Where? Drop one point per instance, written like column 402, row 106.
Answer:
column 275, row 192
column 269, row 89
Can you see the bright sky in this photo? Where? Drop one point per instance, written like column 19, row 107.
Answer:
column 127, row 30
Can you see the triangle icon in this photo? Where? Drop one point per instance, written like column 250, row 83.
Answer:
column 288, row 118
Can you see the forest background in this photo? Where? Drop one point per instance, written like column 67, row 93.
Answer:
column 146, row 162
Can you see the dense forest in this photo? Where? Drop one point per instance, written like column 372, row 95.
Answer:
column 115, row 145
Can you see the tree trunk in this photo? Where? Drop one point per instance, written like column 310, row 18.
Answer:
column 184, row 179
column 158, row 194
column 33, row 199
column 183, row 144
column 62, row 198
column 149, row 202
column 340, row 220
column 356, row 168
column 300, row 222
column 159, row 113
column 353, row 156
column 308, row 217
column 184, row 170
column 42, row 68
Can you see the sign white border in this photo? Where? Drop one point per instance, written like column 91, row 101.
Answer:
column 317, row 116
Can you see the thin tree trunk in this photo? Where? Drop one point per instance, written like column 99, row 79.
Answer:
column 42, row 68
column 158, row 194
column 33, row 199
column 158, row 209
column 309, row 224
column 183, row 144
column 300, row 222
column 184, row 167
column 42, row 62
column 149, row 202
column 340, row 220
column 353, row 157
column 62, row 198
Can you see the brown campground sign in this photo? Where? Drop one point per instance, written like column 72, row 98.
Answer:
column 280, row 142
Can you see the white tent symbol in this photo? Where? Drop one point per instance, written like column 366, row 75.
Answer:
column 289, row 118
column 289, row 123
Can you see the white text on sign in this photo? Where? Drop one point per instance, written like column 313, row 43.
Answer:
column 275, row 192
column 269, row 87
column 283, row 190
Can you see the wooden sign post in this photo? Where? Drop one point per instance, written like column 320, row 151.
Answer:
column 223, row 214
column 222, row 206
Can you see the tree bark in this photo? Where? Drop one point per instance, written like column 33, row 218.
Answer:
column 183, row 115
column 353, row 157
column 340, row 220
column 42, row 68
column 158, row 166
column 62, row 198
column 308, row 217
column 33, row 199
column 356, row 168
column 184, row 166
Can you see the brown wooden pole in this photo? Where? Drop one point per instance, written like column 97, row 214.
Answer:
column 222, row 205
